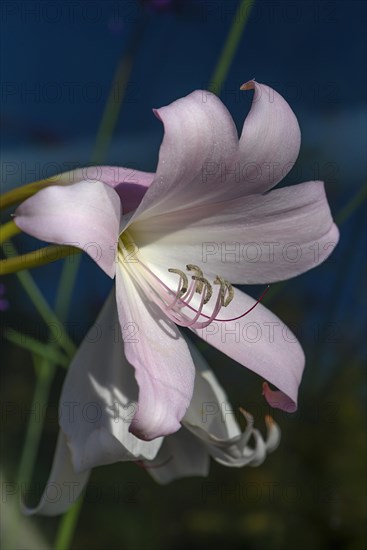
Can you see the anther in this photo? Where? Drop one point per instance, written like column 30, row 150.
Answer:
column 183, row 280
column 198, row 273
column 225, row 288
column 208, row 287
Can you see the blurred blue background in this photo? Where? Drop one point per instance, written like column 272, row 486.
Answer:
column 58, row 61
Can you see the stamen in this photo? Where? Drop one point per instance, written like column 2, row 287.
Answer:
column 188, row 297
column 225, row 286
column 192, row 267
column 183, row 279
column 208, row 287
column 199, row 273
column 193, row 322
column 176, row 305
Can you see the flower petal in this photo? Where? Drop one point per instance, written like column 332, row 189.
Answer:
column 163, row 365
column 181, row 455
column 273, row 436
column 99, row 398
column 130, row 184
column 261, row 342
column 211, row 418
column 199, row 136
column 209, row 407
column 64, row 485
column 252, row 240
column 85, row 215
column 269, row 143
column 201, row 160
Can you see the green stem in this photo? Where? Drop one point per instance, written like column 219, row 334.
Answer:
column 43, row 351
column 45, row 375
column 352, row 205
column 116, row 95
column 45, row 370
column 239, row 21
column 67, row 526
column 36, row 297
column 110, row 114
column 66, row 286
column 8, row 230
column 21, row 193
column 36, row 258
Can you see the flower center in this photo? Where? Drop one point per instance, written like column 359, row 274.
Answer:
column 177, row 304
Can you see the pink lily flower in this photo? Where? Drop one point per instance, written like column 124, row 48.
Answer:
column 176, row 241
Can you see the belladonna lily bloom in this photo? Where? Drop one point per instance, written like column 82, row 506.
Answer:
column 176, row 241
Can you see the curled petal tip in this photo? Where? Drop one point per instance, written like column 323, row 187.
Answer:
column 278, row 400
column 269, row 421
column 250, row 85
column 156, row 114
column 274, row 434
column 246, row 414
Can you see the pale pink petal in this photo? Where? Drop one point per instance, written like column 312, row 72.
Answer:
column 64, row 485
column 199, row 136
column 85, row 215
column 275, row 398
column 269, row 143
column 163, row 365
column 261, row 342
column 201, row 160
column 130, row 184
column 181, row 455
column 99, row 398
column 251, row 240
